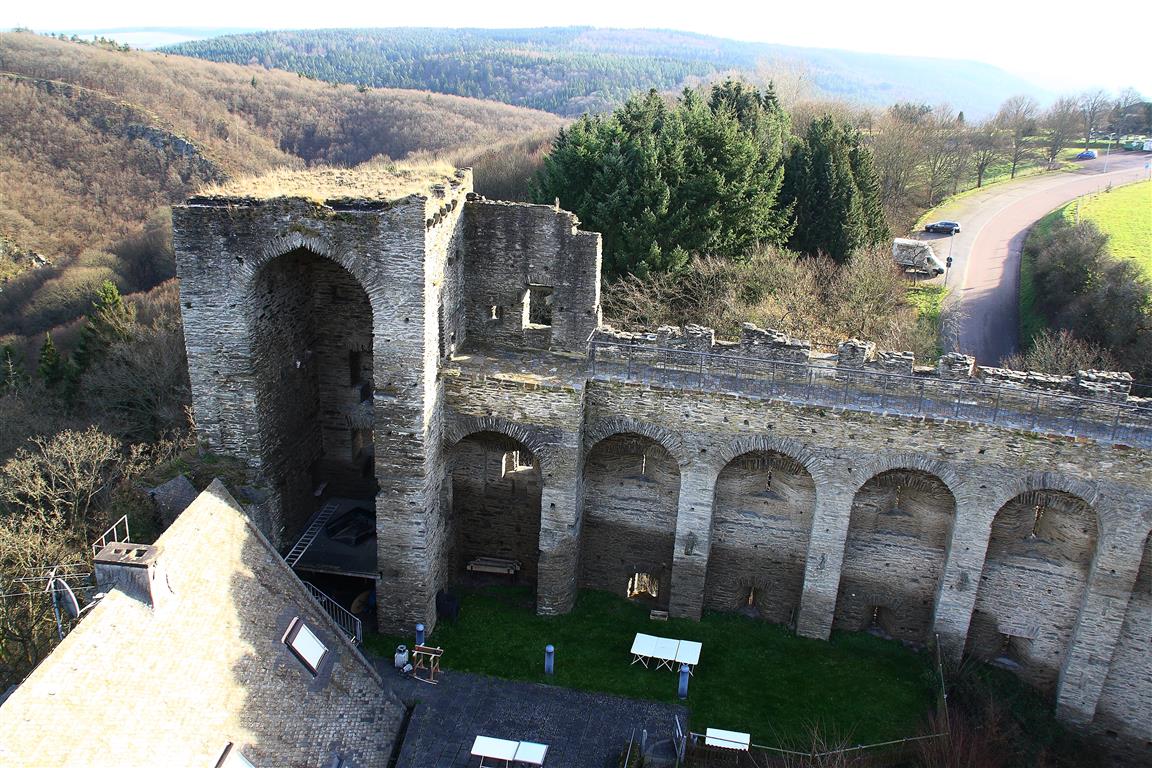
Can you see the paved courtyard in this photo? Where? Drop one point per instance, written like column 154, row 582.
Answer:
column 582, row 730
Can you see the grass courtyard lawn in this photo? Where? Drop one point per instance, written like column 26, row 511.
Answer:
column 1125, row 215
column 753, row 676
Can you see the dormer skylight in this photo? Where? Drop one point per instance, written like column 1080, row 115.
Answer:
column 304, row 643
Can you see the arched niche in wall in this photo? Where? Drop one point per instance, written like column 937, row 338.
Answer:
column 898, row 535
column 761, row 521
column 494, row 510
column 631, row 497
column 310, row 326
column 1035, row 574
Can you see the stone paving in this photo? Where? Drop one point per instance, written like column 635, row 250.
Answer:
column 582, row 730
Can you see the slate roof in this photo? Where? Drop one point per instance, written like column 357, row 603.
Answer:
column 173, row 685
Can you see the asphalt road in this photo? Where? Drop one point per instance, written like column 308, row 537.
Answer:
column 982, row 313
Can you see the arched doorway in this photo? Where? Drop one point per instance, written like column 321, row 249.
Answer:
column 494, row 510
column 312, row 361
column 761, row 520
column 898, row 536
column 631, row 497
column 1032, row 585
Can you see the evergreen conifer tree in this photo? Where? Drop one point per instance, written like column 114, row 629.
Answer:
column 110, row 322
column 13, row 379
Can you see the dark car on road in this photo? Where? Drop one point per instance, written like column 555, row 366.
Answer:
column 943, row 227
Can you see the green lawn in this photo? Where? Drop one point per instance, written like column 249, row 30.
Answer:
column 753, row 676
column 1125, row 215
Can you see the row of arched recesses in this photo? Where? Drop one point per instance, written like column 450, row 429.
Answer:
column 1032, row 584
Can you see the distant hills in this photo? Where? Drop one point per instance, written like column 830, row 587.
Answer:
column 95, row 140
column 570, row 70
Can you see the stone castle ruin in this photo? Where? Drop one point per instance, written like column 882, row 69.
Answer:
column 421, row 384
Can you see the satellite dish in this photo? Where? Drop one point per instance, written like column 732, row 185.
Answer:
column 64, row 597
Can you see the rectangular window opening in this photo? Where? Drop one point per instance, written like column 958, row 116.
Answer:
column 355, row 361
column 496, row 314
column 539, row 299
column 305, row 645
column 643, row 585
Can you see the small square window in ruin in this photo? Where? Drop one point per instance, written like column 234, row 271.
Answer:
column 232, row 758
column 304, row 644
column 539, row 305
column 495, row 314
column 643, row 585
column 512, row 461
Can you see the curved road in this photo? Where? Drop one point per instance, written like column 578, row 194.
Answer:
column 982, row 313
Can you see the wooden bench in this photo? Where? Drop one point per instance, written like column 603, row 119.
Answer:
column 494, row 565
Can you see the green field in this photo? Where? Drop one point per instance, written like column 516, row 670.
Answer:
column 753, row 676
column 1125, row 215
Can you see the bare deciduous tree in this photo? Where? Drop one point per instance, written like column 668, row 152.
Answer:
column 1094, row 105
column 1018, row 117
column 1060, row 123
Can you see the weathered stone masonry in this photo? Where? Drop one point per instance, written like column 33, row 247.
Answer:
column 432, row 351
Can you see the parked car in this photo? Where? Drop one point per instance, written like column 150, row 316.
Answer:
column 1088, row 154
column 943, row 227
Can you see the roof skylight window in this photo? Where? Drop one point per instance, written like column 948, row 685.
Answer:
column 305, row 644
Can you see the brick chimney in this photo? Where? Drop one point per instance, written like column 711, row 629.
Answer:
column 135, row 570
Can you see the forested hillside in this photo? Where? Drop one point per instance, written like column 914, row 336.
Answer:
column 95, row 140
column 572, row 70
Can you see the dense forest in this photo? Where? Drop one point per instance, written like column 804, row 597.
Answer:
column 573, row 70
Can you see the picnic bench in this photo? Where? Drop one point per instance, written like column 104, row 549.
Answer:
column 667, row 652
column 494, row 565
column 523, row 752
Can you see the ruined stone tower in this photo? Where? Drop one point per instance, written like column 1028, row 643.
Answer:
column 420, row 384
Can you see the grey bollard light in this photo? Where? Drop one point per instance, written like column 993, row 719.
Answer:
column 419, row 634
column 549, row 659
column 684, row 673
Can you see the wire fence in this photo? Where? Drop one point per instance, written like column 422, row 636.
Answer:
column 839, row 387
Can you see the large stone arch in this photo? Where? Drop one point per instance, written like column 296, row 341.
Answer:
column 461, row 426
column 762, row 513
column 1042, row 545
column 617, row 425
column 494, row 500
column 799, row 452
column 631, row 492
column 900, row 528
column 310, row 330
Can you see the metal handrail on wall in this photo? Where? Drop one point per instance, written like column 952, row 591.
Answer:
column 344, row 619
column 874, row 391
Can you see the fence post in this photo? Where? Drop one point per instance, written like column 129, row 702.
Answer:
column 920, row 399
column 956, row 405
column 884, row 394
column 1035, row 411
column 996, row 407
column 808, row 387
column 700, row 382
column 772, row 382
column 628, row 368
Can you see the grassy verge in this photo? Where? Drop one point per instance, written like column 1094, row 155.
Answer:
column 1124, row 215
column 753, row 676
column 1031, row 321
column 929, row 303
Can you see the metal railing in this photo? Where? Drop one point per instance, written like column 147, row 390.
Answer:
column 344, row 619
column 875, row 391
column 113, row 534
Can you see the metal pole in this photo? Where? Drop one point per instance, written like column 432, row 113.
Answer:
column 884, row 394
column 808, row 388
column 549, row 659
column 996, row 408
column 1035, row 411
column 920, row 399
column 700, row 383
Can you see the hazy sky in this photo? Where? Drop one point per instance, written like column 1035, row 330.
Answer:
column 1062, row 48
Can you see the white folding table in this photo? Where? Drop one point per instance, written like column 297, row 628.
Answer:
column 642, row 648
column 486, row 747
column 664, row 651
column 714, row 737
column 688, row 652
column 530, row 753
column 507, row 751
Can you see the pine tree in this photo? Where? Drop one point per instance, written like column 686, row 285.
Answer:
column 110, row 322
column 13, row 379
column 52, row 367
column 867, row 179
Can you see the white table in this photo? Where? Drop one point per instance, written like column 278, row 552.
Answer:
column 525, row 752
column 487, row 747
column 688, row 653
column 714, row 737
column 531, row 753
column 666, row 651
